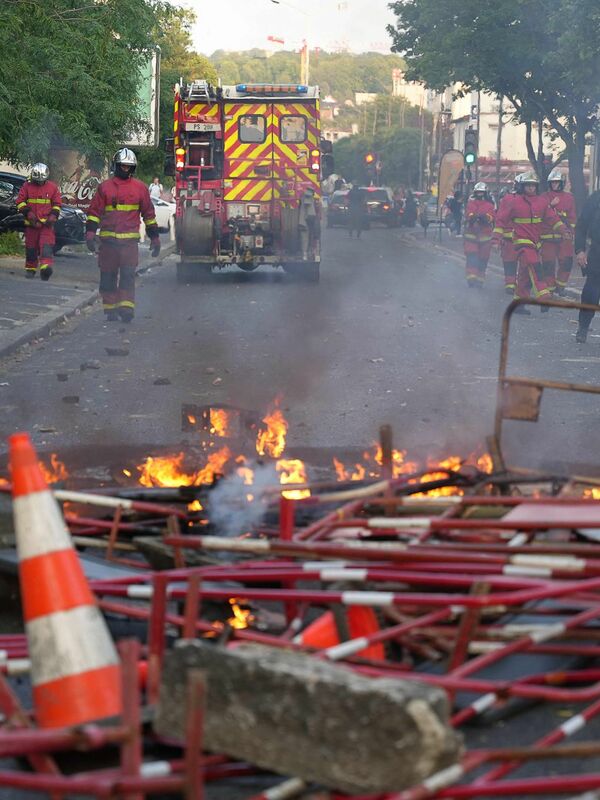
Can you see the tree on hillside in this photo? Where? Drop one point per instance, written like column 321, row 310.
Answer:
column 338, row 74
column 398, row 150
column 69, row 74
column 543, row 55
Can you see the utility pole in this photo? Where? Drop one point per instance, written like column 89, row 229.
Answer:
column 499, row 142
column 422, row 117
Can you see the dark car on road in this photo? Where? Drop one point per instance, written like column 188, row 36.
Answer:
column 69, row 228
column 337, row 210
column 381, row 206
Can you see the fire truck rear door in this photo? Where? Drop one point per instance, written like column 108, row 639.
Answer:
column 248, row 173
column 295, row 135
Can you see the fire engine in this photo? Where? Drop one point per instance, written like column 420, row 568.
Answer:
column 247, row 163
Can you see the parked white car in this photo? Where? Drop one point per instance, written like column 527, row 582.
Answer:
column 165, row 218
column 165, row 214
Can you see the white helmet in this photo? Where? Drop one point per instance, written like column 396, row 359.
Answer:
column 124, row 158
column 480, row 187
column 528, row 177
column 556, row 175
column 39, row 173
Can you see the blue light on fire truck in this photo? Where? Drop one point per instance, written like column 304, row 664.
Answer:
column 269, row 88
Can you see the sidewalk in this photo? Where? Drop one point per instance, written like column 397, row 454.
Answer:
column 30, row 309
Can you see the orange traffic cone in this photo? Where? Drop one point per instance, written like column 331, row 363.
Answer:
column 74, row 664
column 323, row 632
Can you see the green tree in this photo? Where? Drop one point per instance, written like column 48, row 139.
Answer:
column 69, row 74
column 398, row 150
column 543, row 55
column 179, row 62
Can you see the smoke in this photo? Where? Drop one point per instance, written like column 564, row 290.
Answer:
column 235, row 507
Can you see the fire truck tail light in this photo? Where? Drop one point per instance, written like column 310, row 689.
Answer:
column 314, row 153
column 180, row 158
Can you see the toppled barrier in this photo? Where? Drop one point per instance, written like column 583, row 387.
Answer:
column 295, row 715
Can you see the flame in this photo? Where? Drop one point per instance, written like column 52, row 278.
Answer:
column 242, row 617
column 3, row 482
column 127, row 472
column 168, row 470
column 191, row 419
column 195, row 505
column 292, row 470
column 593, row 493
column 219, row 422
column 401, row 466
column 272, row 440
column 56, row 472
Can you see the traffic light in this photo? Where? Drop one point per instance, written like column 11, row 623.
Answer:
column 471, row 141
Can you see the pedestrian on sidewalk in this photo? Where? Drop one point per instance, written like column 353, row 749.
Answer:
column 116, row 209
column 155, row 189
column 357, row 209
column 40, row 201
column 588, row 228
column 455, row 206
column 554, row 246
column 479, row 223
column 528, row 213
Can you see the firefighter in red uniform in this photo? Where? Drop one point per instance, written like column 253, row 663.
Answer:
column 39, row 201
column 508, row 253
column 116, row 208
column 554, row 246
column 479, row 223
column 527, row 213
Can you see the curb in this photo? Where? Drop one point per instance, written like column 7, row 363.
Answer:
column 44, row 324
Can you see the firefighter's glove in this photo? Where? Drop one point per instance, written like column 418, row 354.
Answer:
column 90, row 241
column 52, row 218
column 33, row 220
column 154, row 247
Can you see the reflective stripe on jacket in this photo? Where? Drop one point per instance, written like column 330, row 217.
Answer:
column 564, row 205
column 527, row 216
column 116, row 209
column 39, row 199
column 476, row 212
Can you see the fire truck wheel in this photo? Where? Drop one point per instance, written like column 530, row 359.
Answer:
column 308, row 271
column 196, row 233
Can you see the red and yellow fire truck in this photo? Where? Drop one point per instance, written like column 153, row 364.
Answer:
column 247, row 162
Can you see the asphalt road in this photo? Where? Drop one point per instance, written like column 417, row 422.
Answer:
column 391, row 334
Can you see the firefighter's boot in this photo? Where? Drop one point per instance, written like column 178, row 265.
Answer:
column 29, row 273
column 581, row 335
column 126, row 314
column 45, row 273
column 112, row 315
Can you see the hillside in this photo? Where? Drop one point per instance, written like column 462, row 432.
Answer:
column 338, row 74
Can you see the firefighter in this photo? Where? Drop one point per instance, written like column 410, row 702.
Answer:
column 116, row 208
column 308, row 224
column 39, row 201
column 479, row 223
column 357, row 210
column 527, row 213
column 588, row 227
column 508, row 253
column 554, row 246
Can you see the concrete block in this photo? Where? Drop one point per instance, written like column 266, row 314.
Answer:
column 299, row 716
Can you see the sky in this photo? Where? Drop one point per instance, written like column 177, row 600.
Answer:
column 356, row 25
